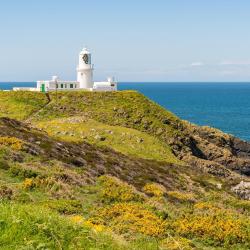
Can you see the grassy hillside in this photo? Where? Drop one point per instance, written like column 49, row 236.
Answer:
column 20, row 105
column 124, row 140
column 113, row 171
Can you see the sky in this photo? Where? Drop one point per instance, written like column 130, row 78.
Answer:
column 133, row 40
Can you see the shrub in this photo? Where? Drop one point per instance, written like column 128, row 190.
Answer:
column 11, row 142
column 4, row 164
column 47, row 182
column 29, row 183
column 180, row 196
column 77, row 219
column 219, row 226
column 18, row 171
column 154, row 189
column 130, row 218
column 65, row 206
column 204, row 205
column 176, row 243
column 114, row 190
column 5, row 192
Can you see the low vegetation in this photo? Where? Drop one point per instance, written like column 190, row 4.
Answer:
column 125, row 140
column 99, row 171
column 20, row 105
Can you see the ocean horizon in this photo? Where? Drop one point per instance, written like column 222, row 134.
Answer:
column 223, row 105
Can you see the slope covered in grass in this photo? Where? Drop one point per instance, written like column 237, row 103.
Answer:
column 124, row 140
column 70, row 195
column 20, row 105
column 103, row 171
column 34, row 227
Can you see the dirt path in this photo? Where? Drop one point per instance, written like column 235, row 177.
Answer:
column 33, row 114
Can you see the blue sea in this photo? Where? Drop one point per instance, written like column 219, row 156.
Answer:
column 221, row 105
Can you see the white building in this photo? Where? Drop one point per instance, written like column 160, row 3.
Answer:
column 84, row 79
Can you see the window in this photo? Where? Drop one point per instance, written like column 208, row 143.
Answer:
column 57, row 85
column 75, row 86
column 65, row 85
column 71, row 86
column 61, row 86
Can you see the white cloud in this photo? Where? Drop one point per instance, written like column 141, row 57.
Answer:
column 234, row 63
column 197, row 64
column 228, row 72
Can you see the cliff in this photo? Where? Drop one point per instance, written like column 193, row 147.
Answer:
column 120, row 168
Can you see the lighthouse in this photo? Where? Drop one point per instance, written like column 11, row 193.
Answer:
column 85, row 70
column 84, row 79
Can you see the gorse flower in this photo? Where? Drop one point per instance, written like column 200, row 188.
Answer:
column 11, row 142
column 213, row 224
column 181, row 196
column 154, row 189
column 112, row 189
column 77, row 219
column 29, row 183
column 130, row 218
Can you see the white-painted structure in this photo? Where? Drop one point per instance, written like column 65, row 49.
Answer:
column 84, row 79
column 85, row 70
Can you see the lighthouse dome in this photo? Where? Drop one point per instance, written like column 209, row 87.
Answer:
column 84, row 51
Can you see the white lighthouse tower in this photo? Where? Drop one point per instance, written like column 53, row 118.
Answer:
column 85, row 70
column 84, row 79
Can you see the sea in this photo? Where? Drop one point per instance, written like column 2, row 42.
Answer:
column 225, row 106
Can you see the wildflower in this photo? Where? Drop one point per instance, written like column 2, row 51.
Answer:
column 154, row 189
column 132, row 218
column 28, row 183
column 77, row 219
column 115, row 190
column 12, row 142
column 181, row 196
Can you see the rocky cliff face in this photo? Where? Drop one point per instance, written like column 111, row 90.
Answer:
column 215, row 149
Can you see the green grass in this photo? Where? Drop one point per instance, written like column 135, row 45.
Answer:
column 20, row 105
column 134, row 119
column 125, row 140
column 33, row 227
column 122, row 108
column 40, row 216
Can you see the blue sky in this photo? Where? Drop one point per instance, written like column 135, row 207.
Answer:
column 134, row 40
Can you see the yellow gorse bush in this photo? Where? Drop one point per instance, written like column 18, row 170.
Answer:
column 129, row 218
column 96, row 227
column 154, row 189
column 112, row 190
column 176, row 243
column 181, row 196
column 11, row 142
column 205, row 205
column 36, row 182
column 78, row 219
column 218, row 225
column 29, row 183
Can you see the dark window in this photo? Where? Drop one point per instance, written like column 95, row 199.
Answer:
column 61, row 86
column 57, row 85
column 71, row 86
